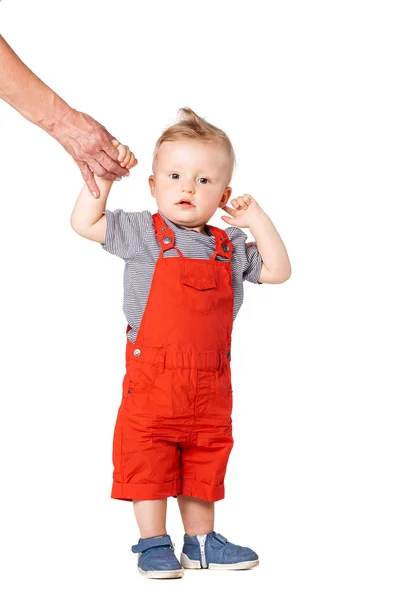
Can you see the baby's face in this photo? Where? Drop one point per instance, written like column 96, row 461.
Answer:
column 191, row 170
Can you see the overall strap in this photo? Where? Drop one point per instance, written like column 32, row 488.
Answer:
column 166, row 238
column 164, row 234
column 223, row 245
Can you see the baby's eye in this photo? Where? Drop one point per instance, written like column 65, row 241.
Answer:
column 203, row 178
column 172, row 175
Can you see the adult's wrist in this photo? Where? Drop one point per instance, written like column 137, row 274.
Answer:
column 57, row 110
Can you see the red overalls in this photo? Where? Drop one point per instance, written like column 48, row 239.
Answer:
column 173, row 433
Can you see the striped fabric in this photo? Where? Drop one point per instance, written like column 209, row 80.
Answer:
column 131, row 236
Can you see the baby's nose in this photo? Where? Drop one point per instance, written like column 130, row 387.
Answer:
column 187, row 186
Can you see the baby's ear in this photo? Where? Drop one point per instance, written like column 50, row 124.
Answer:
column 152, row 185
column 225, row 196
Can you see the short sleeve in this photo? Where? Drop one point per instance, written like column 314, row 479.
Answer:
column 247, row 256
column 126, row 232
column 254, row 263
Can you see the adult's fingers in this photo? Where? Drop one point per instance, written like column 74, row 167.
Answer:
column 88, row 178
column 104, row 166
column 110, row 164
column 107, row 164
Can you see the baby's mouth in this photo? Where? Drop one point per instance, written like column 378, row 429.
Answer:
column 185, row 203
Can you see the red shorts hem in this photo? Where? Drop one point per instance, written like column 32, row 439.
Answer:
column 202, row 490
column 155, row 491
column 144, row 491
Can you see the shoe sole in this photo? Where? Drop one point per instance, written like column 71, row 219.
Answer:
column 188, row 563
column 162, row 574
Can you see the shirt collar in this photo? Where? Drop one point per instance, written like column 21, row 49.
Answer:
column 181, row 228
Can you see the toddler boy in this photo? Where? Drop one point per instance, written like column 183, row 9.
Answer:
column 183, row 287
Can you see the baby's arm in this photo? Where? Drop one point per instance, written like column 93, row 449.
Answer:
column 87, row 217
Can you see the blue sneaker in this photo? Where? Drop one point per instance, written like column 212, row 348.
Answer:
column 157, row 559
column 213, row 551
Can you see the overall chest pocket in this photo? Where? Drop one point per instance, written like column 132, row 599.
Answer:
column 199, row 293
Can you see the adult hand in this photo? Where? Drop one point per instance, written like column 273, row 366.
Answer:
column 91, row 147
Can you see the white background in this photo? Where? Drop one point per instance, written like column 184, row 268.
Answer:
column 309, row 94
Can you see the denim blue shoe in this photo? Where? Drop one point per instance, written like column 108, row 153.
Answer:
column 213, row 551
column 157, row 559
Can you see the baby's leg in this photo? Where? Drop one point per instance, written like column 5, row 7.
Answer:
column 197, row 515
column 151, row 516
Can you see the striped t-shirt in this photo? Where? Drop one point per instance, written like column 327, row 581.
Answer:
column 132, row 237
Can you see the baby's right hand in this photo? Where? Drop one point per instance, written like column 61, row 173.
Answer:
column 126, row 158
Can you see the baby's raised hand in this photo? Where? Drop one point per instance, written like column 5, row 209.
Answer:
column 247, row 209
column 126, row 158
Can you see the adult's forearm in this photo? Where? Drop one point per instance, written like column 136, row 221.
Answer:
column 28, row 94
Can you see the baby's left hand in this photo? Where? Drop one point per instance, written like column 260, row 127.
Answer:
column 247, row 210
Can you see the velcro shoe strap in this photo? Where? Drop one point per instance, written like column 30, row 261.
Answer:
column 160, row 540
column 220, row 538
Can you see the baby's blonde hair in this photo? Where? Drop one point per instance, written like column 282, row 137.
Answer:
column 191, row 126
